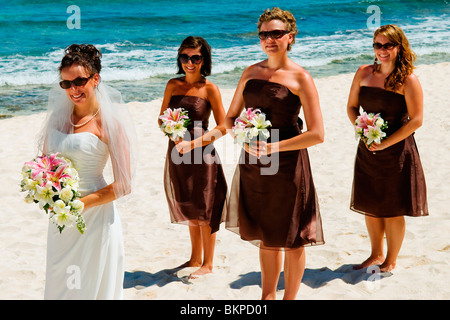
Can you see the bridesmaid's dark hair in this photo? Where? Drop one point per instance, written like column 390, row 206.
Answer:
column 85, row 55
column 205, row 49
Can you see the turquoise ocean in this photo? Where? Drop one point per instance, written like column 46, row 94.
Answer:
column 139, row 40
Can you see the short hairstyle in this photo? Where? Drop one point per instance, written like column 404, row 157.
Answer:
column 85, row 55
column 205, row 50
column 284, row 16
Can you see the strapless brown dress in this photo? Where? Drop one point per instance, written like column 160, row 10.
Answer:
column 273, row 199
column 194, row 183
column 391, row 182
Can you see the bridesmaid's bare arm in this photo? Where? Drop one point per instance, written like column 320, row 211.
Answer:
column 166, row 99
column 313, row 117
column 215, row 98
column 414, row 103
column 353, row 97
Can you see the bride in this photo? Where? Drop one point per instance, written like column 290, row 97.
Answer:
column 87, row 123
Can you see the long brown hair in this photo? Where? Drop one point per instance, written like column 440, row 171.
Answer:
column 405, row 58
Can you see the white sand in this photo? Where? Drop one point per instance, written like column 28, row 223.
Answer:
column 153, row 246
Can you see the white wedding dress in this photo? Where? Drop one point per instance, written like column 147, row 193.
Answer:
column 89, row 265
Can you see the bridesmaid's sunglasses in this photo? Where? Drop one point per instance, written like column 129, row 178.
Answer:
column 195, row 59
column 387, row 46
column 274, row 34
column 78, row 82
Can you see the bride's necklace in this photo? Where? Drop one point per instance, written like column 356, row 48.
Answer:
column 82, row 124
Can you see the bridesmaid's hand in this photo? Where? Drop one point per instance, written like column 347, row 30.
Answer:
column 259, row 148
column 183, row 146
column 377, row 147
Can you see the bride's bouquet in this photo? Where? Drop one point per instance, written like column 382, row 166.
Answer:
column 369, row 128
column 250, row 125
column 175, row 123
column 52, row 182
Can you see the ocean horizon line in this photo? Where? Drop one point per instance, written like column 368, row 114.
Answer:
column 155, row 97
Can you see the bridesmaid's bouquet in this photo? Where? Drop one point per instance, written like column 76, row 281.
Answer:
column 52, row 182
column 175, row 123
column 250, row 125
column 369, row 128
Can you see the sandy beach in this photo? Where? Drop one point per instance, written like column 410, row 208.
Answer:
column 154, row 246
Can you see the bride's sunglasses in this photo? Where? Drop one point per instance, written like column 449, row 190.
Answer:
column 195, row 59
column 387, row 46
column 78, row 82
column 274, row 34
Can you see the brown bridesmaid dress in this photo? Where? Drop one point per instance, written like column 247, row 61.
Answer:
column 390, row 182
column 273, row 199
column 194, row 183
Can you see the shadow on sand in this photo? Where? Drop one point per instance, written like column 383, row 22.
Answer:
column 147, row 279
column 316, row 278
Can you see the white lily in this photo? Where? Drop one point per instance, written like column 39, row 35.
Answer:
column 60, row 207
column 45, row 193
column 72, row 183
column 260, row 122
column 358, row 132
column 252, row 133
column 64, row 219
column 168, row 127
column 29, row 198
column 30, row 184
column 62, row 215
column 178, row 131
column 249, row 125
column 374, row 134
column 240, row 134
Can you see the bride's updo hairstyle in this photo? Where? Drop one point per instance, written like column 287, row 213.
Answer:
column 85, row 55
column 115, row 121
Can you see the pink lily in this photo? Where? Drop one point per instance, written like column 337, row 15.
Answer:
column 44, row 164
column 241, row 121
column 57, row 175
column 173, row 115
column 251, row 113
column 167, row 117
column 365, row 121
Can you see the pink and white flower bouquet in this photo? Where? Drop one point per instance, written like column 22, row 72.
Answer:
column 369, row 128
column 175, row 123
column 250, row 125
column 52, row 182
